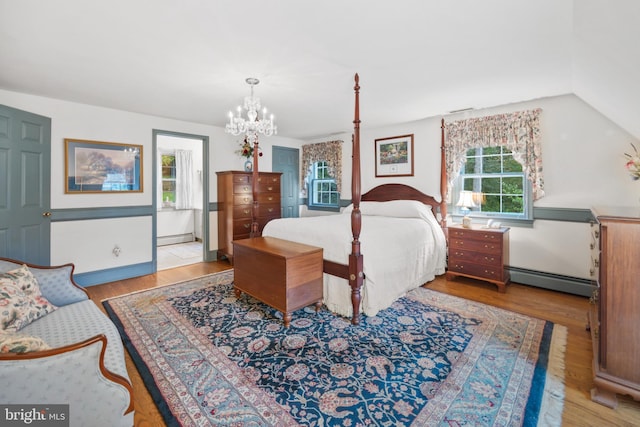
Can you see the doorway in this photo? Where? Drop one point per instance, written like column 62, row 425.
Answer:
column 180, row 199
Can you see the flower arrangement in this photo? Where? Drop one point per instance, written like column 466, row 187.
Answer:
column 633, row 163
column 246, row 150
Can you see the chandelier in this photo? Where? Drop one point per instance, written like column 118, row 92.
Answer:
column 252, row 125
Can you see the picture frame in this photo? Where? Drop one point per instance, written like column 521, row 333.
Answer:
column 394, row 156
column 102, row 167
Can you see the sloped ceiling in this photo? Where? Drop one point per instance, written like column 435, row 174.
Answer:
column 606, row 59
column 188, row 60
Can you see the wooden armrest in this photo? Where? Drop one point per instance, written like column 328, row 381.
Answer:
column 72, row 347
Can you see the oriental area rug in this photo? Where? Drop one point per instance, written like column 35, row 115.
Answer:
column 430, row 359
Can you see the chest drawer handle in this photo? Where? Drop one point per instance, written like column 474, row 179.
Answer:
column 489, row 246
column 270, row 210
column 489, row 236
column 270, row 198
column 247, row 211
column 247, row 225
column 461, row 267
column 270, row 188
column 489, row 272
column 489, row 259
column 459, row 253
column 245, row 188
column 246, row 200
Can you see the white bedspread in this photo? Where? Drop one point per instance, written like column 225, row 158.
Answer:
column 400, row 253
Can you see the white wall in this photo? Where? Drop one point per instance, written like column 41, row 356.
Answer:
column 582, row 154
column 583, row 160
column 89, row 244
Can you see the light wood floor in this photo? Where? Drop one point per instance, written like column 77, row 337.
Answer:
column 564, row 309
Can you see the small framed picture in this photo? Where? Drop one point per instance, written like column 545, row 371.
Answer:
column 394, row 156
column 102, row 167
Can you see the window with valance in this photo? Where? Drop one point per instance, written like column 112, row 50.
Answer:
column 518, row 132
column 329, row 152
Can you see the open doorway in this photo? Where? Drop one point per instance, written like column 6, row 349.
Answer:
column 180, row 199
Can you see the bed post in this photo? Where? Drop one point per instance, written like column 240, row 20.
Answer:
column 356, row 275
column 443, row 179
column 254, row 184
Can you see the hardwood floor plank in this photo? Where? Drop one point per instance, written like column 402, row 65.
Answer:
column 565, row 309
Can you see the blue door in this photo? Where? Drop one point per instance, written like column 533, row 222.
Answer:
column 286, row 160
column 25, row 196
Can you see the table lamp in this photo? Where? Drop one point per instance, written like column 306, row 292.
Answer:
column 465, row 202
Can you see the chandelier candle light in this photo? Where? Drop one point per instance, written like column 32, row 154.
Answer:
column 251, row 127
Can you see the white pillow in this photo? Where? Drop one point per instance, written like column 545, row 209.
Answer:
column 394, row 208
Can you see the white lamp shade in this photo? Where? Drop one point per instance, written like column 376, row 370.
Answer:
column 466, row 200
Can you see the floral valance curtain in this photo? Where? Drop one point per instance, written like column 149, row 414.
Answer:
column 330, row 152
column 519, row 132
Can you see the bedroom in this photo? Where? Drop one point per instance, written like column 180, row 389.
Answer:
column 587, row 127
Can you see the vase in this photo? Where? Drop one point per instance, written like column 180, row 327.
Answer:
column 248, row 166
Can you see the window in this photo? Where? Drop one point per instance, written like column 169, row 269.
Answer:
column 498, row 182
column 323, row 191
column 168, row 180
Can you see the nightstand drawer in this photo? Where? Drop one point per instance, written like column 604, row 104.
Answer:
column 477, row 270
column 484, row 258
column 476, row 245
column 481, row 235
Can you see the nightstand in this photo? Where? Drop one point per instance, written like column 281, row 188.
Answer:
column 479, row 253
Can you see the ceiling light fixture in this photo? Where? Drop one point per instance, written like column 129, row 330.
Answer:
column 252, row 125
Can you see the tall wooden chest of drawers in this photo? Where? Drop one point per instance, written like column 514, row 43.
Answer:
column 479, row 253
column 614, row 318
column 235, row 206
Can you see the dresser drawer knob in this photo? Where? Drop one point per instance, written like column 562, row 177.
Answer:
column 247, row 200
column 489, row 272
column 245, row 188
column 247, row 225
column 489, row 259
column 247, row 211
column 270, row 188
column 270, row 198
column 270, row 210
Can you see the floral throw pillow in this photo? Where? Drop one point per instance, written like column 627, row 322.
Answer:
column 21, row 301
column 11, row 342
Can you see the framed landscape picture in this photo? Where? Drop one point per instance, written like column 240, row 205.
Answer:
column 102, row 167
column 394, row 156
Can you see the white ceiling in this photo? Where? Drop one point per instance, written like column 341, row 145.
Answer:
column 188, row 59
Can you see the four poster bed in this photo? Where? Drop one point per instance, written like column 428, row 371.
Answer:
column 405, row 243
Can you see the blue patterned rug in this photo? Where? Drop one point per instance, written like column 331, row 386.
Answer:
column 430, row 359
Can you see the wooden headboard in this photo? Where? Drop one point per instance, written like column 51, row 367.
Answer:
column 387, row 192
